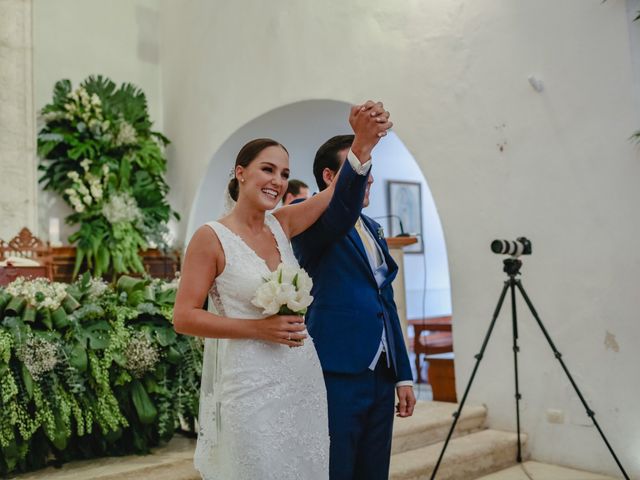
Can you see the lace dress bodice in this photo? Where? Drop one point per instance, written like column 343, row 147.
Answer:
column 263, row 408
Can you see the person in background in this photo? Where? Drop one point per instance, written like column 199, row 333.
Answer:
column 297, row 189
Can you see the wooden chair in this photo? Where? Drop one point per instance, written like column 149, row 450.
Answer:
column 438, row 339
column 26, row 245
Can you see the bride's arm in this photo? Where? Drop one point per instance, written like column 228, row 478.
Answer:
column 203, row 262
column 370, row 122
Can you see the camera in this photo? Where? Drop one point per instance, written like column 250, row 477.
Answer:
column 515, row 248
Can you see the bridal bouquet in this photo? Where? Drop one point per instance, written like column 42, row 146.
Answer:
column 287, row 291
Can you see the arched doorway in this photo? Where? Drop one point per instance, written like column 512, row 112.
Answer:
column 302, row 127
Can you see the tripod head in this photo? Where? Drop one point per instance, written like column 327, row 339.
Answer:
column 512, row 266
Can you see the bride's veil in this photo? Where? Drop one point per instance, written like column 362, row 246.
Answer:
column 209, row 421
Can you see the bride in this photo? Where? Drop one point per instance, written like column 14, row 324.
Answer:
column 263, row 408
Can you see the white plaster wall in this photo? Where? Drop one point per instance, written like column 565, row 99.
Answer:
column 74, row 39
column 454, row 74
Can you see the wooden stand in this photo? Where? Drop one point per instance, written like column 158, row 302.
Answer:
column 396, row 245
column 156, row 263
column 442, row 377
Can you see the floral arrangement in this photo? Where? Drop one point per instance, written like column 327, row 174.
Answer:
column 89, row 369
column 99, row 153
column 286, row 291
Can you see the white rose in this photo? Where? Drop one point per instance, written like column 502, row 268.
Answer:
column 300, row 302
column 266, row 298
column 285, row 294
column 304, row 282
column 286, row 274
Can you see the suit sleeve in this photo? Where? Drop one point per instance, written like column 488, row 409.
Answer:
column 336, row 221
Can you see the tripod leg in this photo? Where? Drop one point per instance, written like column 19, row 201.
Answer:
column 516, row 349
column 478, row 357
column 558, row 355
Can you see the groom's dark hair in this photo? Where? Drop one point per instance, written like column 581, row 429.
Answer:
column 327, row 157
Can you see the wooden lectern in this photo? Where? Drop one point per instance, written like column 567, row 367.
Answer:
column 396, row 246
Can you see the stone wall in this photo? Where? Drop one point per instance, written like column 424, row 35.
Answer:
column 17, row 120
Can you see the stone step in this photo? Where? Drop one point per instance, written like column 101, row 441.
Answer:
column 467, row 457
column 430, row 424
column 543, row 471
column 173, row 461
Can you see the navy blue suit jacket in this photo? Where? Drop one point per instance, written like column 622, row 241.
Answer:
column 349, row 309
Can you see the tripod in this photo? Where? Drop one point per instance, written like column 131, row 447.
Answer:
column 512, row 269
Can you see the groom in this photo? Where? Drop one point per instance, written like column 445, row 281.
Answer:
column 353, row 320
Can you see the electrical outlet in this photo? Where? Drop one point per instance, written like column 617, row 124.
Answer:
column 555, row 416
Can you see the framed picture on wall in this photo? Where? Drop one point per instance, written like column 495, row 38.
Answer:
column 405, row 205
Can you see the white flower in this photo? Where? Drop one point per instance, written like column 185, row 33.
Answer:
column 288, row 288
column 94, row 186
column 127, row 135
column 52, row 116
column 267, row 298
column 97, row 287
column 85, row 164
column 121, row 207
column 88, row 199
column 39, row 292
column 95, row 100
column 82, row 188
column 39, row 356
column 73, row 175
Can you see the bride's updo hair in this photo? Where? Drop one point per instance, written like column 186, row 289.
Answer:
column 246, row 155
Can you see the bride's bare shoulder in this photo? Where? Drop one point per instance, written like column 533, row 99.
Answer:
column 205, row 243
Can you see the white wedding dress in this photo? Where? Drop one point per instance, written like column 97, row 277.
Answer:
column 263, row 407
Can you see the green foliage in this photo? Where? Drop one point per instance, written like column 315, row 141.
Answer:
column 99, row 153
column 109, row 377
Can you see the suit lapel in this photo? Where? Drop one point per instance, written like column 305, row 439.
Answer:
column 391, row 264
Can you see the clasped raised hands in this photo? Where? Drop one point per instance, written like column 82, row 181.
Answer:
column 370, row 122
column 284, row 329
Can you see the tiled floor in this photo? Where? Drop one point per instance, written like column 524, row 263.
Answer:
column 541, row 471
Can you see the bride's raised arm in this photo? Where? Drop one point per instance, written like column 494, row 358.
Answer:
column 370, row 123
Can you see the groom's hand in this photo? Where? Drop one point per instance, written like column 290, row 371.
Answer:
column 406, row 401
column 370, row 122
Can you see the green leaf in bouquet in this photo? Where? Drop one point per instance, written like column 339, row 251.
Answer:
column 102, row 260
column 60, row 438
column 80, row 254
column 5, row 298
column 29, row 314
column 166, row 336
column 149, row 293
column 78, row 357
column 70, row 304
column 27, row 380
column 166, row 297
column 145, row 408
column 59, row 318
column 16, row 306
column 97, row 334
column 46, row 317
column 131, row 284
column 17, row 328
column 11, row 454
column 119, row 358
column 173, row 356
